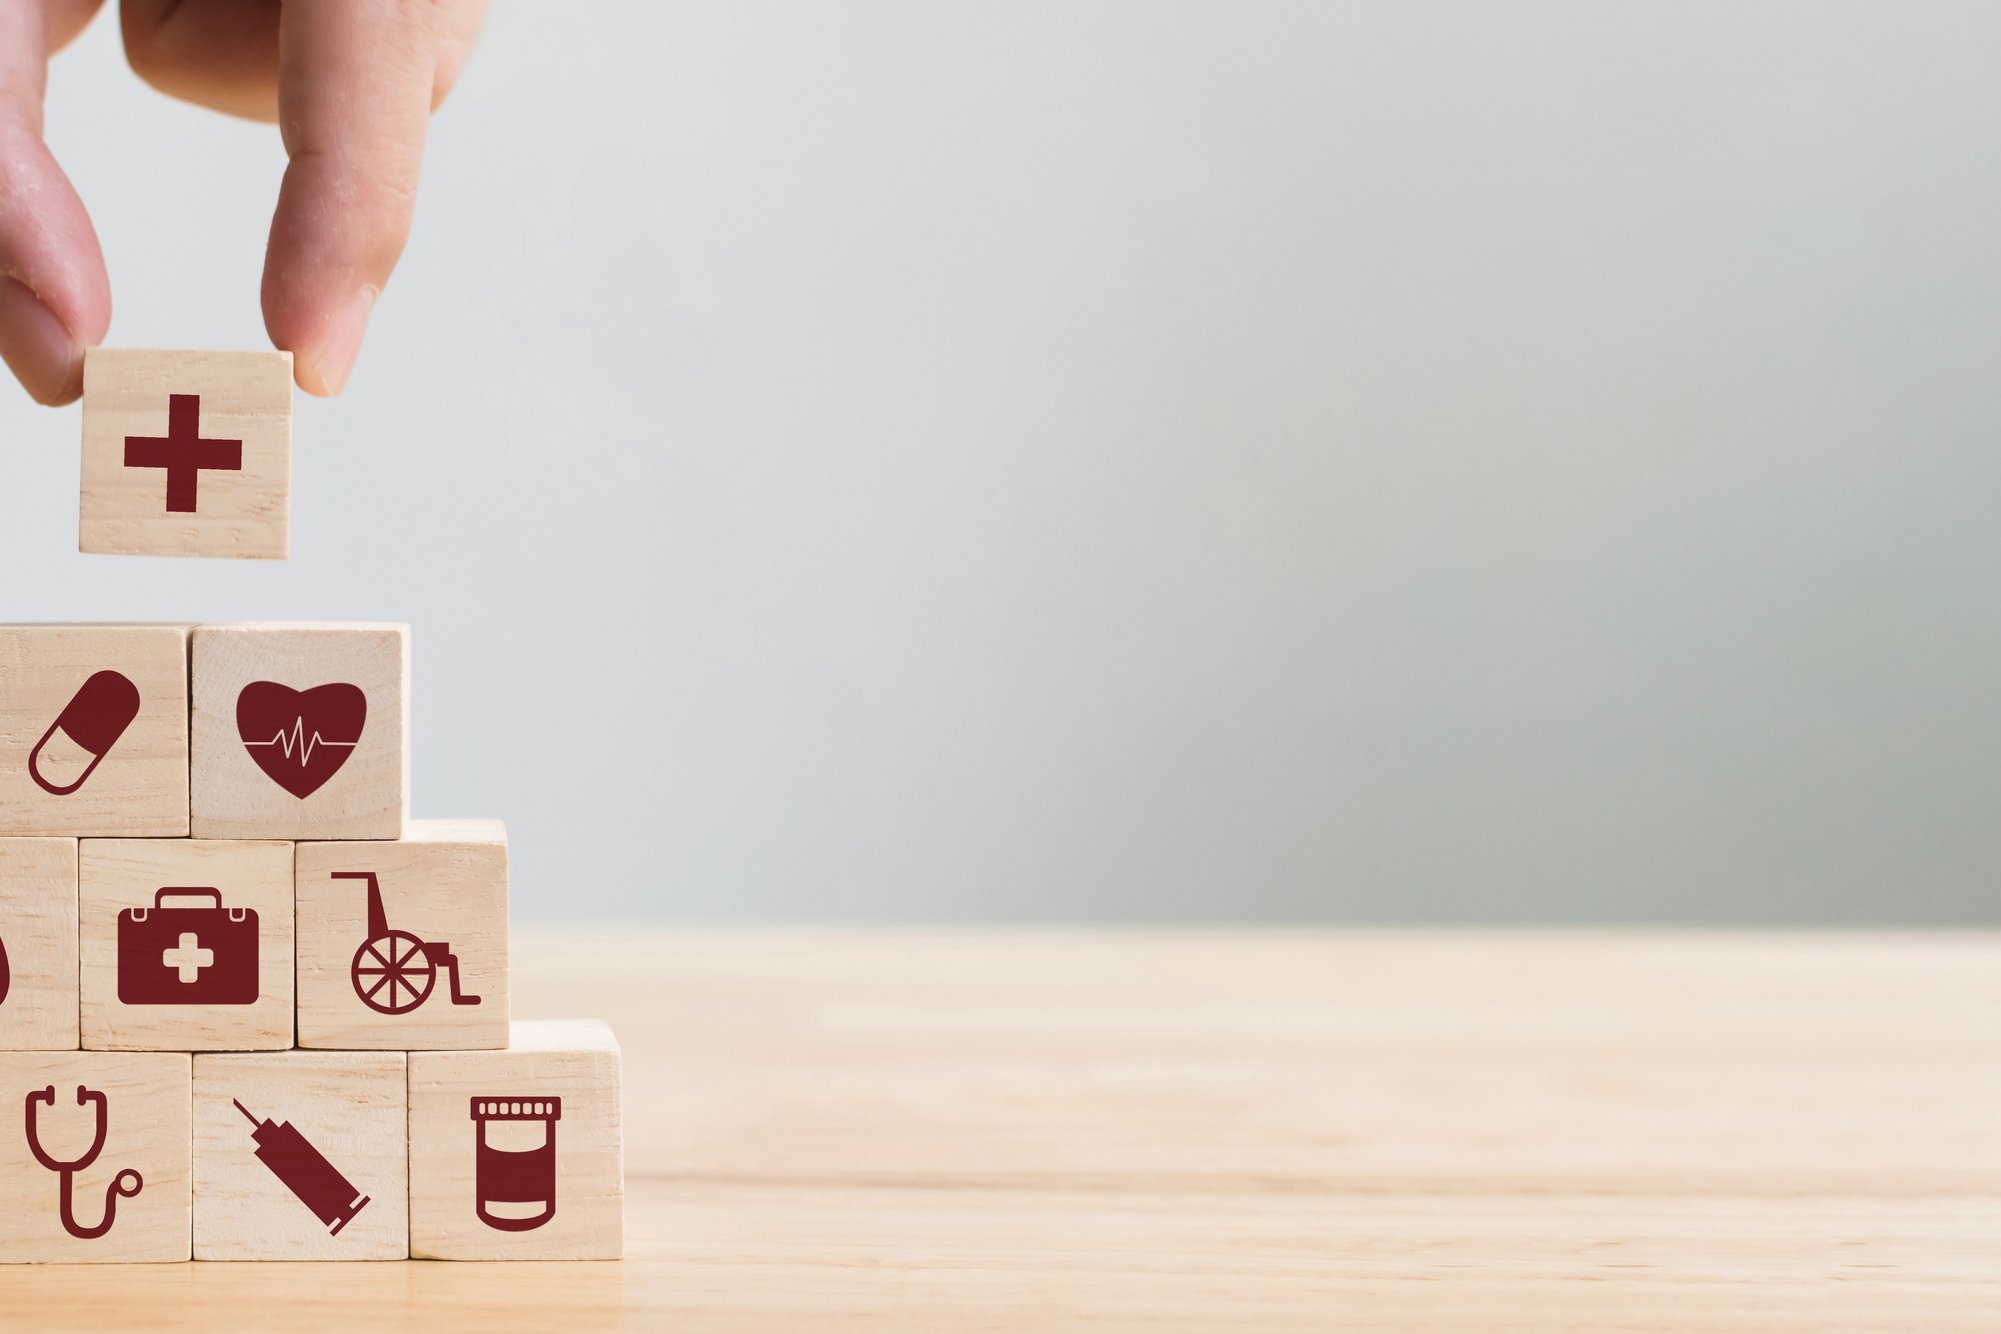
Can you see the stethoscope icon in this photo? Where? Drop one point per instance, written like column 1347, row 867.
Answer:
column 68, row 1170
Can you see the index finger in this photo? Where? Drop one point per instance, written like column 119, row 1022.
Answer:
column 355, row 85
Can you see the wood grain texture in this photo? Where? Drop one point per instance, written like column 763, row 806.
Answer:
column 244, row 396
column 571, row 1068
column 116, row 875
column 444, row 882
column 145, row 1131
column 38, row 1008
column 352, row 1107
column 139, row 788
column 366, row 798
column 1235, row 1131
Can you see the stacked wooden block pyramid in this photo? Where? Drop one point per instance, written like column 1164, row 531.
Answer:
column 248, row 1009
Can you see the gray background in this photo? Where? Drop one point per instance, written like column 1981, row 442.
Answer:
column 1153, row 460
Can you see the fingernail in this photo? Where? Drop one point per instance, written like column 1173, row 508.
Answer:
column 329, row 368
column 37, row 347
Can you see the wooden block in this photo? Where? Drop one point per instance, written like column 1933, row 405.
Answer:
column 94, row 730
column 300, row 731
column 517, row 1154
column 187, row 453
column 38, row 998
column 302, row 1156
column 388, row 979
column 185, row 944
column 136, row 1180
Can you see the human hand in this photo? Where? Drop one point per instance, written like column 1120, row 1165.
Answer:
column 351, row 83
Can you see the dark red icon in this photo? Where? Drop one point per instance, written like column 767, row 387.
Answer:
column 68, row 1169
column 6, row 973
column 300, row 738
column 304, row 1171
column 95, row 717
column 394, row 971
column 183, row 452
column 522, row 1168
column 187, row 956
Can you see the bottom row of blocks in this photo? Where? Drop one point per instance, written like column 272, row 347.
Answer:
column 513, row 1154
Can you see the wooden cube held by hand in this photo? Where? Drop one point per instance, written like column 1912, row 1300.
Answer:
column 186, row 453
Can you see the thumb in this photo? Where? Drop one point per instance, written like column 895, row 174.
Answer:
column 54, row 297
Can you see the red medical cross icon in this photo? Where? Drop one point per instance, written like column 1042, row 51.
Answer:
column 183, row 452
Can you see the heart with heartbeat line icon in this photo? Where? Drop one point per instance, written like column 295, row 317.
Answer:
column 300, row 738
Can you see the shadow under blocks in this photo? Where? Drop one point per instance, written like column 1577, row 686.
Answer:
column 249, row 1009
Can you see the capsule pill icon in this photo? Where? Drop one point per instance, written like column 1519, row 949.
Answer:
column 93, row 720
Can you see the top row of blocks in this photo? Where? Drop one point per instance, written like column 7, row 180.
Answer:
column 219, row 731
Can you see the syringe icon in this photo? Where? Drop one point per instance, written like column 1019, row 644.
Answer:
column 304, row 1171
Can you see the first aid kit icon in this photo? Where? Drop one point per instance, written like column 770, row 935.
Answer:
column 187, row 956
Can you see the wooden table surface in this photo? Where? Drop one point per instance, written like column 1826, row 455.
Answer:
column 1209, row 1130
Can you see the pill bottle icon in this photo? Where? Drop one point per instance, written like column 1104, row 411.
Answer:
column 93, row 720
column 514, row 1146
